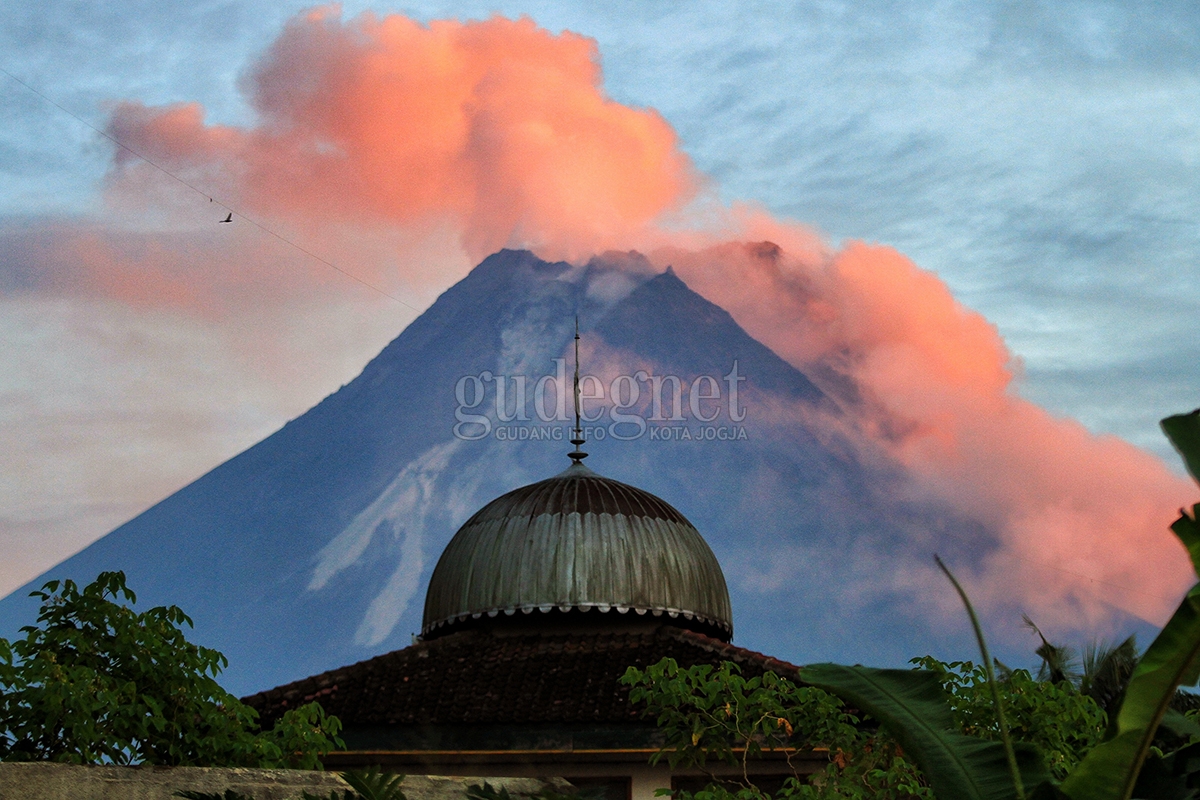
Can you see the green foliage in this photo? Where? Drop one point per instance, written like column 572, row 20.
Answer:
column 1058, row 662
column 1188, row 531
column 1106, row 672
column 1124, row 761
column 300, row 737
column 1113, row 768
column 942, row 714
column 719, row 715
column 486, row 791
column 913, row 707
column 368, row 784
column 1014, row 770
column 707, row 712
column 96, row 682
column 1062, row 722
column 1173, row 659
column 374, row 784
column 951, row 718
column 1184, row 432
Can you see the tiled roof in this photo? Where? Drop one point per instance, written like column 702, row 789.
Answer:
column 476, row 677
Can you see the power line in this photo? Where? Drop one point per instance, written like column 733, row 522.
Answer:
column 384, row 293
column 203, row 193
column 1100, row 581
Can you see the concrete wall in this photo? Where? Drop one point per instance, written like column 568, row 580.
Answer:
column 45, row 781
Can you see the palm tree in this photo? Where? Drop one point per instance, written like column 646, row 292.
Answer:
column 1103, row 672
column 1107, row 669
column 1059, row 662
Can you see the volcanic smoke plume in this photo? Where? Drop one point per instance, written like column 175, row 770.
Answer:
column 502, row 132
column 496, row 127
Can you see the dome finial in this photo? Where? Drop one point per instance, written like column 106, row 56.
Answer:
column 577, row 455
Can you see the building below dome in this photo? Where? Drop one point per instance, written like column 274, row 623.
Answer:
column 535, row 610
column 522, row 703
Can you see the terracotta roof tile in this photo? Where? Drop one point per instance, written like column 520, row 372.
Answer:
column 477, row 678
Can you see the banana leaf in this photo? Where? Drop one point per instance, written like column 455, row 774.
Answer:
column 1184, row 432
column 1188, row 531
column 1165, row 778
column 1112, row 768
column 914, row 708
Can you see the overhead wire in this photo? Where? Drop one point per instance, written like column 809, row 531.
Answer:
column 142, row 157
column 1096, row 592
column 202, row 193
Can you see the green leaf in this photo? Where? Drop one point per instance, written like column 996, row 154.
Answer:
column 97, row 682
column 1188, row 531
column 1159, row 780
column 1172, row 660
column 1180, row 726
column 374, row 784
column 914, row 709
column 1014, row 770
column 1184, row 432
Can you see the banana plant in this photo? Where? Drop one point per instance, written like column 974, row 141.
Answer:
column 915, row 710
column 913, row 707
column 1111, row 770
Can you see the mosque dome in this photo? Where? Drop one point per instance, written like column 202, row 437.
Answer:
column 578, row 542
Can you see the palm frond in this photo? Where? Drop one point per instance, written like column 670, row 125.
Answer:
column 1107, row 669
column 1059, row 663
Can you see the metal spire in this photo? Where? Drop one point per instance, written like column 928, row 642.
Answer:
column 577, row 455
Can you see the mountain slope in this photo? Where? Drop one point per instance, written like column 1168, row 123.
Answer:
column 312, row 548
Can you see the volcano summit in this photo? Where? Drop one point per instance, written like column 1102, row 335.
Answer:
column 312, row 549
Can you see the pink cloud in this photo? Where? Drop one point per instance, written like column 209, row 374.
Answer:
column 500, row 133
column 497, row 126
column 1082, row 519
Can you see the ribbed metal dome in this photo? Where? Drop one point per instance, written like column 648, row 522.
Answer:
column 578, row 542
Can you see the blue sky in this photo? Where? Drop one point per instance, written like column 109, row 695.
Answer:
column 1043, row 159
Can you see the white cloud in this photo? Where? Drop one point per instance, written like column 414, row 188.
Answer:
column 106, row 409
column 1042, row 160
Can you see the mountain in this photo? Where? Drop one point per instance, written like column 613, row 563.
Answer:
column 312, row 548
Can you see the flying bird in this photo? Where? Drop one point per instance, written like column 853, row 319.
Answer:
column 228, row 218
